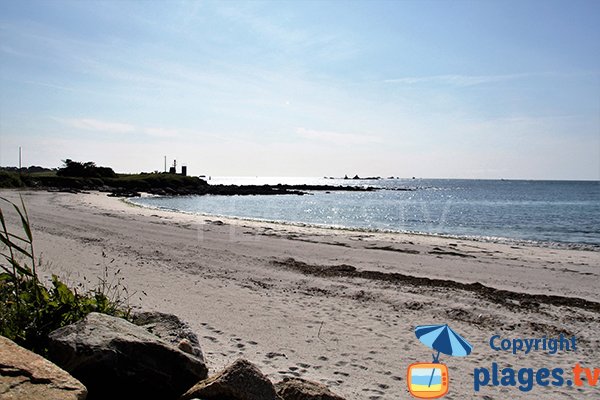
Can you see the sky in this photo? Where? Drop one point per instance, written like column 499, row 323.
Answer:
column 433, row 89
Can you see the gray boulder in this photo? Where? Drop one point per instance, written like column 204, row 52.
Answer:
column 301, row 389
column 116, row 359
column 171, row 329
column 242, row 380
column 26, row 375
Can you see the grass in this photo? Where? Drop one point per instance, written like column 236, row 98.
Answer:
column 29, row 310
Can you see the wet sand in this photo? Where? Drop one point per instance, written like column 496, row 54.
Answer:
column 335, row 306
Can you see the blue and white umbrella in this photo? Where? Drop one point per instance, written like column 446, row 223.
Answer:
column 443, row 339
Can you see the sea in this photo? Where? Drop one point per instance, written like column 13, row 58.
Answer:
column 547, row 213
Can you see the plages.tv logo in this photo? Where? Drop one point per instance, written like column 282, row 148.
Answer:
column 431, row 380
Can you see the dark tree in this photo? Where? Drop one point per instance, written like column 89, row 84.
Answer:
column 85, row 170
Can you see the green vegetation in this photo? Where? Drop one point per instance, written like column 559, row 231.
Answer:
column 85, row 170
column 147, row 182
column 10, row 180
column 76, row 175
column 29, row 310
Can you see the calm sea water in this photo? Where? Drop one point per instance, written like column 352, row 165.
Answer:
column 549, row 212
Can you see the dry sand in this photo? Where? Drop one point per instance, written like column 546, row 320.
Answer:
column 334, row 306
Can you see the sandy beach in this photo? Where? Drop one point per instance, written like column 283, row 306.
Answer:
column 335, row 306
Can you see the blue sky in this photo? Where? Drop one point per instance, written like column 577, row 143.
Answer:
column 463, row 89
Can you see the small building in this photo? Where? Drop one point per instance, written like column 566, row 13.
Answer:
column 173, row 169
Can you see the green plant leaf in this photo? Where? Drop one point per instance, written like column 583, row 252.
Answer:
column 6, row 240
column 6, row 237
column 24, row 270
column 65, row 295
column 8, row 271
column 6, row 276
column 25, row 220
column 17, row 237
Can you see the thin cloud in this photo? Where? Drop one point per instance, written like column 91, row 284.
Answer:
column 9, row 50
column 161, row 132
column 111, row 127
column 262, row 25
column 324, row 44
column 456, row 80
column 90, row 124
column 336, row 137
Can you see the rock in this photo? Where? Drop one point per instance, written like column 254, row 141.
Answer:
column 116, row 359
column 26, row 375
column 300, row 389
column 121, row 192
column 242, row 380
column 185, row 346
column 171, row 329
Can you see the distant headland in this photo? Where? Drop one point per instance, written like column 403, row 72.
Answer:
column 75, row 176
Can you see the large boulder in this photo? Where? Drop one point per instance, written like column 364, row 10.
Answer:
column 116, row 359
column 26, row 375
column 242, row 380
column 301, row 389
column 171, row 329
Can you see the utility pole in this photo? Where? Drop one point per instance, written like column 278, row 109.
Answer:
column 165, row 164
column 19, row 160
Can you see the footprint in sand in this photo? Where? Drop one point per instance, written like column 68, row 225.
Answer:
column 341, row 373
column 272, row 355
column 294, row 373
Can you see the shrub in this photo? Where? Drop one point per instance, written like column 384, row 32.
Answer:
column 85, row 170
column 29, row 311
column 10, row 180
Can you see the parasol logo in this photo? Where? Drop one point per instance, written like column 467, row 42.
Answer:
column 431, row 380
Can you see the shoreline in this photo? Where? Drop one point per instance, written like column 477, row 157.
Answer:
column 479, row 239
column 334, row 306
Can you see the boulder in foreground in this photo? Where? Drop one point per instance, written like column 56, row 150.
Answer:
column 171, row 329
column 300, row 389
column 242, row 380
column 26, row 375
column 116, row 359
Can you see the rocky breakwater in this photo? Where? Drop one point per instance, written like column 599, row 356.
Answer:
column 247, row 190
